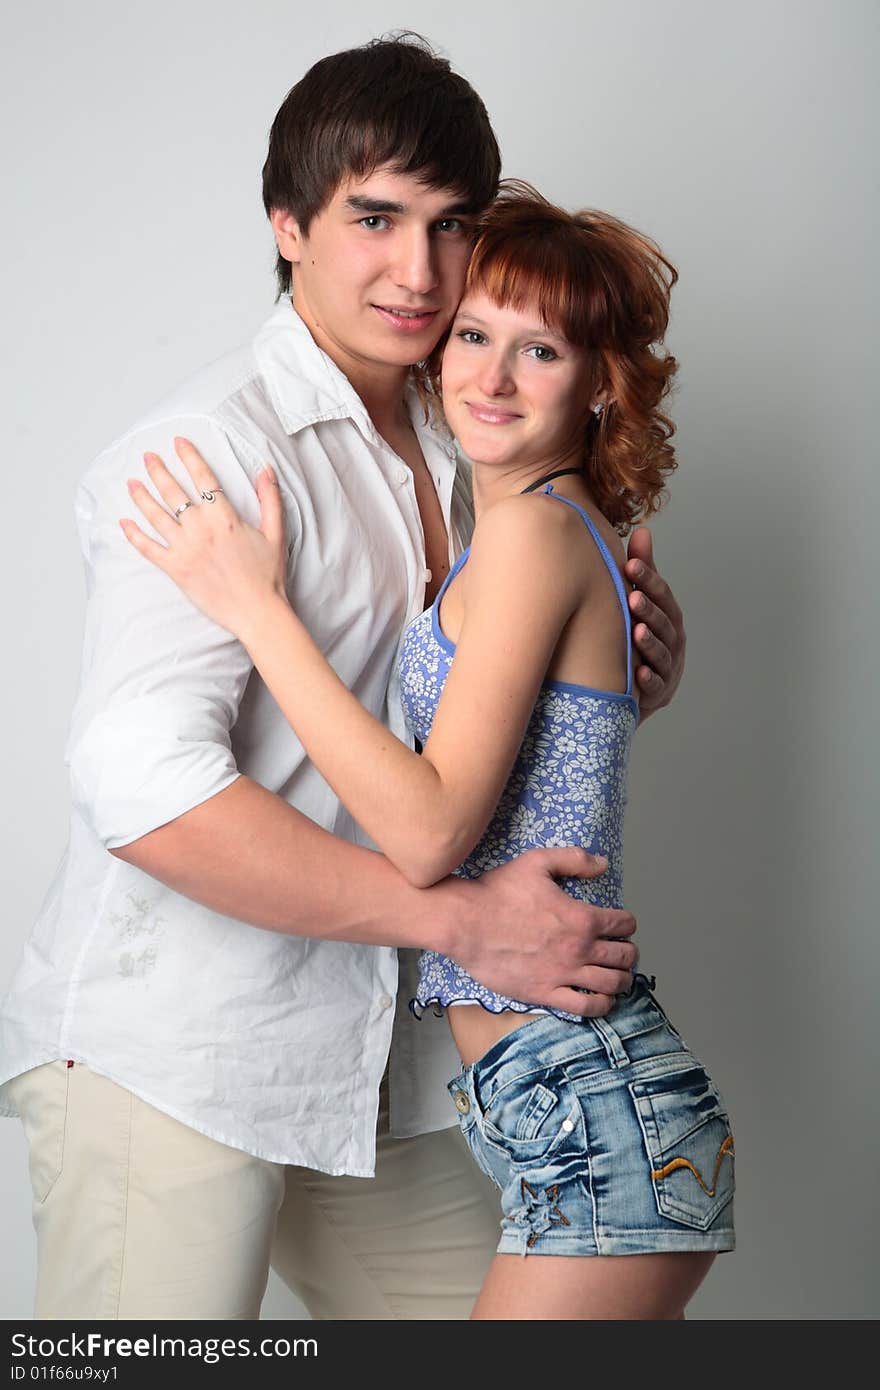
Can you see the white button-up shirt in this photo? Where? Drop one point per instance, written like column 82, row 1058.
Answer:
column 271, row 1043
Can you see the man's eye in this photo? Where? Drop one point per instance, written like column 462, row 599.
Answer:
column 450, row 224
column 372, row 222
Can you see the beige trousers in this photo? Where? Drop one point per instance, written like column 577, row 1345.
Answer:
column 138, row 1216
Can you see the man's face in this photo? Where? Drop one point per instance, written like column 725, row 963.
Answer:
column 380, row 273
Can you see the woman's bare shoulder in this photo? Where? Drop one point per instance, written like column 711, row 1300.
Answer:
column 526, row 536
column 527, row 521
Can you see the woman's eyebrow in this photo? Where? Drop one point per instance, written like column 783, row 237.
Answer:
column 530, row 331
column 544, row 332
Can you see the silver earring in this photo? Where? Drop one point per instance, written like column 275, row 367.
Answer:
column 598, row 408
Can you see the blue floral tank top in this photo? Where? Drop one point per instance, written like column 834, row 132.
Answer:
column 567, row 787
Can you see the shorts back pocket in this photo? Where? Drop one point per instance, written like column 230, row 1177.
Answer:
column 689, row 1144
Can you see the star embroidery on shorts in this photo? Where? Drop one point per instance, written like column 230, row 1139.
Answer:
column 541, row 1209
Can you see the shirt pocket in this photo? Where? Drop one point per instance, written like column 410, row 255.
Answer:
column 689, row 1144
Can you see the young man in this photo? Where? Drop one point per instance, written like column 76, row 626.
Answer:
column 191, row 1085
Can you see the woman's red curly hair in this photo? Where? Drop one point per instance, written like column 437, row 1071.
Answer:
column 605, row 287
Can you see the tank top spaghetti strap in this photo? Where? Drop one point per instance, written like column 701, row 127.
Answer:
column 448, row 646
column 611, row 566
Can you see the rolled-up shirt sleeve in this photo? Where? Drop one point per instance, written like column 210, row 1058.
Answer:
column 161, row 684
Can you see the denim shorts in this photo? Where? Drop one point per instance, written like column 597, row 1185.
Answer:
column 605, row 1137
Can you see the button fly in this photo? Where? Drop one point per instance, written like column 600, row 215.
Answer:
column 462, row 1103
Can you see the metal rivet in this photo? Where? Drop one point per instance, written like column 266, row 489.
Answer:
column 462, row 1103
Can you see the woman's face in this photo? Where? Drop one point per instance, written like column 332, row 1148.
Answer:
column 514, row 392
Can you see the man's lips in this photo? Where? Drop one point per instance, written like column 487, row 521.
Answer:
column 491, row 414
column 407, row 320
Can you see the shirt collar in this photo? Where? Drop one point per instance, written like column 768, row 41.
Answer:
column 306, row 386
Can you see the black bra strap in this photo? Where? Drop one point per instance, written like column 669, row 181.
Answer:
column 560, row 472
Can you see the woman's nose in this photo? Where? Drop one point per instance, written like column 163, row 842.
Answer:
column 495, row 377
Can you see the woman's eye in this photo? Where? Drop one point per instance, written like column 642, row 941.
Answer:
column 542, row 354
column 470, row 335
column 372, row 222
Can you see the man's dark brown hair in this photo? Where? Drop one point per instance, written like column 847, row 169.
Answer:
column 393, row 101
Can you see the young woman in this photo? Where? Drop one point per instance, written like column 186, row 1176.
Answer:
column 605, row 1137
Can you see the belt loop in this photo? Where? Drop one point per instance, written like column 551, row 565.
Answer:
column 617, row 1054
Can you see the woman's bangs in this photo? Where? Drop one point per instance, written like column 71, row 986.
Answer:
column 519, row 277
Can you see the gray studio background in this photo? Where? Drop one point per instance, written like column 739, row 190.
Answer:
column 135, row 249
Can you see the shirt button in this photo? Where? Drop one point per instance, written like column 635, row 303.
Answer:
column 427, row 575
column 403, row 476
column 462, row 1104
column 385, row 1001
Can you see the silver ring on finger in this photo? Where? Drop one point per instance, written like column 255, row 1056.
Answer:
column 178, row 511
column 210, row 495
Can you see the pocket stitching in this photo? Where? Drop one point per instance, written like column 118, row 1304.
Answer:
column 667, row 1204
column 523, row 1150
column 539, row 1105
column 60, row 1165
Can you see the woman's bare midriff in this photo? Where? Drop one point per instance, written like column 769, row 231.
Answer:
column 475, row 1029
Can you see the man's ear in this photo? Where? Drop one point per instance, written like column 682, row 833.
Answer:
column 288, row 237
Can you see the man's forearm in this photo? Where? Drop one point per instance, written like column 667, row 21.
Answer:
column 248, row 854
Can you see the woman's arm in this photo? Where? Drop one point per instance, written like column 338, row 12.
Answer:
column 425, row 812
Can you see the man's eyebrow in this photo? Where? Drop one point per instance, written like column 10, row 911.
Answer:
column 373, row 206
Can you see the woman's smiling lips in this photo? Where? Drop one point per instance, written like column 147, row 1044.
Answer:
column 407, row 320
column 491, row 414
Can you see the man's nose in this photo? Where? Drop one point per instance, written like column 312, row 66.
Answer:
column 416, row 268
